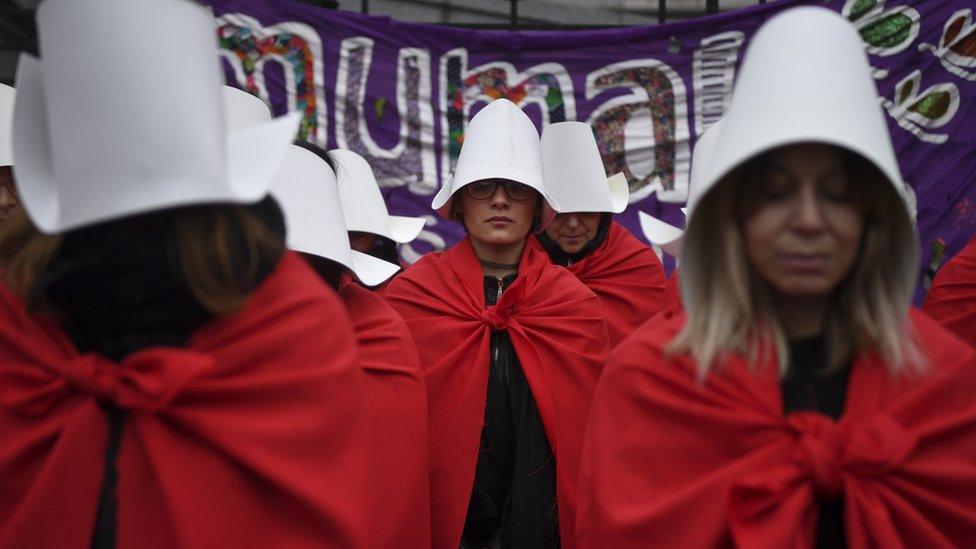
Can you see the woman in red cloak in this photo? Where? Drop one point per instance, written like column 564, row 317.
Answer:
column 798, row 402
column 622, row 271
column 396, row 401
column 952, row 298
column 170, row 376
column 511, row 348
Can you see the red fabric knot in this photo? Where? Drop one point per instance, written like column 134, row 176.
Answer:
column 94, row 375
column 146, row 381
column 819, row 451
column 496, row 317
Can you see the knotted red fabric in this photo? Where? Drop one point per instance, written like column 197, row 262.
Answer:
column 627, row 277
column 669, row 462
column 249, row 437
column 560, row 337
column 396, row 411
column 952, row 298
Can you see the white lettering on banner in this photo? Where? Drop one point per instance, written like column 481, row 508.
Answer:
column 713, row 71
column 412, row 161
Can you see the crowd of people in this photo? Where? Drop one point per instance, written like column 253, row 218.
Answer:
column 207, row 338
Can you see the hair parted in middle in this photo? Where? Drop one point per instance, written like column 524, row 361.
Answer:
column 730, row 307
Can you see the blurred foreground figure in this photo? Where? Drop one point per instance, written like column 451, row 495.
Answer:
column 170, row 375
column 799, row 402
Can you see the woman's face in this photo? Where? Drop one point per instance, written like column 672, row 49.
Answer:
column 497, row 220
column 573, row 230
column 802, row 220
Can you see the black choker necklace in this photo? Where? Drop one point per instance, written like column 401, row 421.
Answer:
column 498, row 266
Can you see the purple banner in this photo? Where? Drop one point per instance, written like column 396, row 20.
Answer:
column 400, row 94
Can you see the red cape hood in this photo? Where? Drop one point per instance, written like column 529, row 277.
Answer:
column 560, row 338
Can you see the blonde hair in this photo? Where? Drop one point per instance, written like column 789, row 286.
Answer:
column 730, row 308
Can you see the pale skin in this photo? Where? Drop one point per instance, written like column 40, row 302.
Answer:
column 573, row 230
column 497, row 226
column 803, row 231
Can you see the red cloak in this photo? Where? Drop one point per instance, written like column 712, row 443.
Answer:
column 248, row 437
column 952, row 298
column 671, row 463
column 560, row 337
column 396, row 403
column 628, row 278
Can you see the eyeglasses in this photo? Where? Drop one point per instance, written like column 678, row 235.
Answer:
column 483, row 190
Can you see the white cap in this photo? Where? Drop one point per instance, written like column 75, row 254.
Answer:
column 98, row 134
column 574, row 172
column 306, row 189
column 7, row 96
column 665, row 235
column 363, row 204
column 500, row 142
column 805, row 78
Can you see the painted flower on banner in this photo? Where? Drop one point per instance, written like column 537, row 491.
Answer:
column 916, row 110
column 957, row 47
column 884, row 31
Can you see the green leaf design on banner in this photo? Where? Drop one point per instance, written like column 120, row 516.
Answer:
column 860, row 8
column 888, row 32
column 933, row 105
column 380, row 105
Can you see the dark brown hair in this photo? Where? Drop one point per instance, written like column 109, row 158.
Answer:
column 221, row 248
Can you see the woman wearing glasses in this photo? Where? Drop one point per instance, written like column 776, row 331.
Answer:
column 511, row 348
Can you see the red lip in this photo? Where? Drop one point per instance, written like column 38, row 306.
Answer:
column 499, row 219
